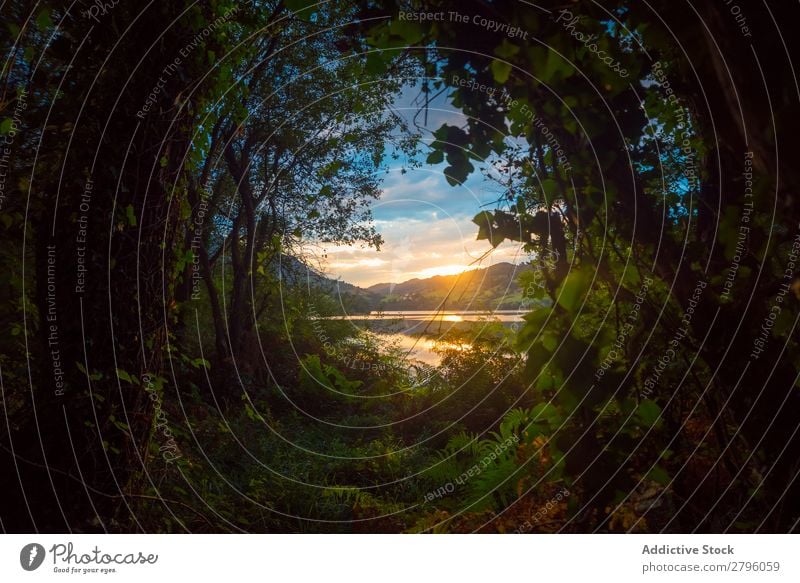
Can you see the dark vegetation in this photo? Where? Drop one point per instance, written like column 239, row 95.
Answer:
column 160, row 363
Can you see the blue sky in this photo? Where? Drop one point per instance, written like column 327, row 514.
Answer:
column 426, row 223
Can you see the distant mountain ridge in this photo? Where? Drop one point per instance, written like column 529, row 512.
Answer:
column 489, row 288
column 296, row 273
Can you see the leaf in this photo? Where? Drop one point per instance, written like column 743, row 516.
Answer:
column 301, row 8
column 648, row 412
column 550, row 341
column 435, row 157
column 5, row 125
column 130, row 215
column 483, row 218
column 487, row 228
column 452, row 174
column 571, row 292
column 658, row 474
column 408, row 30
column 452, row 136
column 550, row 189
column 506, row 50
column 375, row 65
column 783, row 324
column 556, row 68
column 500, row 71
column 124, row 376
column 43, row 20
column 252, row 414
column 198, row 362
column 546, row 412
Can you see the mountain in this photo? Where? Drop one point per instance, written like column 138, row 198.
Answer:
column 350, row 298
column 490, row 288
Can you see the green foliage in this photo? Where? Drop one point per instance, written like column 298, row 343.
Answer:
column 573, row 289
column 316, row 374
column 284, row 420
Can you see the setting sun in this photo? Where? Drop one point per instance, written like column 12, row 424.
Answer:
column 452, row 318
column 442, row 270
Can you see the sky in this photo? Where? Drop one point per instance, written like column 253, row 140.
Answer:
column 426, row 224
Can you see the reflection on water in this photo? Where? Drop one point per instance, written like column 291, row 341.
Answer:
column 420, row 348
column 417, row 333
column 434, row 316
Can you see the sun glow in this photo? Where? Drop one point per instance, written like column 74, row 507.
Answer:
column 452, row 318
column 442, row 270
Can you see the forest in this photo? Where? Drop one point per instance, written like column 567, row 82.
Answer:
column 180, row 180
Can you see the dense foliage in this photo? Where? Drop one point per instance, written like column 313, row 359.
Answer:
column 171, row 171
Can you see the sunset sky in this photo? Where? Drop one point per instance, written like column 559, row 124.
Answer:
column 427, row 228
column 426, row 223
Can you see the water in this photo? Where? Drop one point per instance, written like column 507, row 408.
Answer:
column 418, row 332
column 451, row 316
column 420, row 348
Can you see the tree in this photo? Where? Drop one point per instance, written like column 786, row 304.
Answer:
column 295, row 158
column 623, row 158
column 98, row 185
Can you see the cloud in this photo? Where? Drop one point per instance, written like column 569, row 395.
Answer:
column 418, row 248
column 426, row 223
column 421, row 191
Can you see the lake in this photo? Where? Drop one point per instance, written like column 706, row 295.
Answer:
column 417, row 332
column 452, row 316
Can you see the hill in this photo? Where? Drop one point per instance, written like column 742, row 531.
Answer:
column 490, row 288
column 349, row 298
